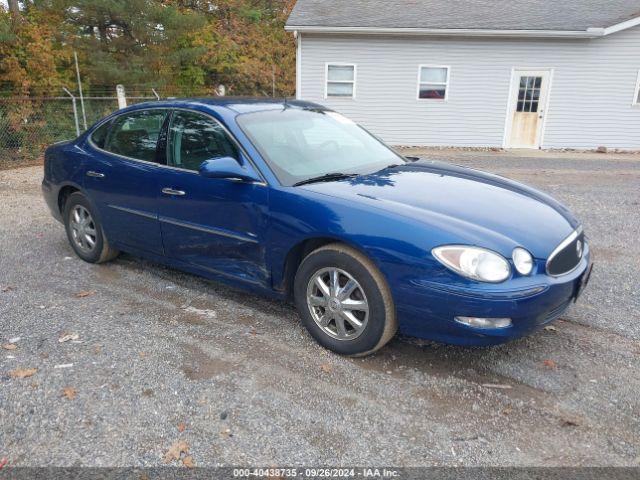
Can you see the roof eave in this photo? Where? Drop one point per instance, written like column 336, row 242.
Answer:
column 462, row 32
column 618, row 27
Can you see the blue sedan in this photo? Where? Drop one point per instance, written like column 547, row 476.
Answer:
column 296, row 201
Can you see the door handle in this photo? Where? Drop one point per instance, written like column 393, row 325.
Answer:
column 171, row 191
column 91, row 173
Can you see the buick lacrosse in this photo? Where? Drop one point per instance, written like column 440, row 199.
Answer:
column 296, row 201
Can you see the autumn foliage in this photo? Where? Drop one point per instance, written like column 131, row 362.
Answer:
column 179, row 47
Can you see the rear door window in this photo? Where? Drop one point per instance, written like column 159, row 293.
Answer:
column 135, row 135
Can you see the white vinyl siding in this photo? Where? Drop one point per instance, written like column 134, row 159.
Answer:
column 590, row 104
column 636, row 95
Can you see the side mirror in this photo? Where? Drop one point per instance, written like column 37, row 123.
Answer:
column 227, row 167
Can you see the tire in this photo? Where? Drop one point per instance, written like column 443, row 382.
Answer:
column 370, row 302
column 95, row 248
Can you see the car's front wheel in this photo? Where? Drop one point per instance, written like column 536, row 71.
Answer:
column 344, row 301
column 84, row 231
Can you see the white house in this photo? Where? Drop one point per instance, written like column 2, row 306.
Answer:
column 491, row 73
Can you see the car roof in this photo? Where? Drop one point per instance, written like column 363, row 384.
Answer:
column 236, row 104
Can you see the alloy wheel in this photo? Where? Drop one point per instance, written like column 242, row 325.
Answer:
column 83, row 229
column 337, row 303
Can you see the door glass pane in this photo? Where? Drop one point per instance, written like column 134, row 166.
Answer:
column 194, row 138
column 339, row 89
column 529, row 94
column 135, row 135
column 337, row 73
column 433, row 75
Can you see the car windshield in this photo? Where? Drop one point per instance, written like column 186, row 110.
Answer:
column 301, row 144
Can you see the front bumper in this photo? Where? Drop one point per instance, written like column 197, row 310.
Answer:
column 427, row 309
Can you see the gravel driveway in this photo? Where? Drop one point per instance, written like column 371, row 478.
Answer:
column 153, row 357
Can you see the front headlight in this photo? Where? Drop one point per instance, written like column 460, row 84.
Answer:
column 474, row 262
column 523, row 260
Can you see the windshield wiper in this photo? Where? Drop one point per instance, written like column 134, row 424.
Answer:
column 327, row 177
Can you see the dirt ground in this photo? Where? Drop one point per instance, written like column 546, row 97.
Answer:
column 153, row 357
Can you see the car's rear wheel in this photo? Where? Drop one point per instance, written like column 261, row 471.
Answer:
column 344, row 301
column 84, row 231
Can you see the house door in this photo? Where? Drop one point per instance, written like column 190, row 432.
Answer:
column 528, row 107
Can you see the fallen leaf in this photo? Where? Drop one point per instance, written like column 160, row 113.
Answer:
column 69, row 392
column 9, row 346
column 85, row 293
column 22, row 372
column 142, row 354
column 97, row 349
column 325, row 367
column 174, row 452
column 181, row 427
column 226, row 432
column 550, row 364
column 497, row 385
column 570, row 423
column 188, row 462
column 3, row 462
column 68, row 336
column 551, row 328
column 148, row 392
column 8, row 288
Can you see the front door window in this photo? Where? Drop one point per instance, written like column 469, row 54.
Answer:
column 194, row 138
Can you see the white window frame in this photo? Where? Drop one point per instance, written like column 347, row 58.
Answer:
column 636, row 100
column 353, row 82
column 446, row 84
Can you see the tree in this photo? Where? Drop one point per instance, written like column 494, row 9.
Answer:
column 14, row 8
column 182, row 47
column 31, row 60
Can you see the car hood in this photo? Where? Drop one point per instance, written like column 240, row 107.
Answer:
column 472, row 207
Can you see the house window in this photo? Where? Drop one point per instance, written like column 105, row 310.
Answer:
column 341, row 80
column 433, row 82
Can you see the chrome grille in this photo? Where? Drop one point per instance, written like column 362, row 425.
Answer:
column 566, row 257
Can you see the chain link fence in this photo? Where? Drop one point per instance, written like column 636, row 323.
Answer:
column 29, row 124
